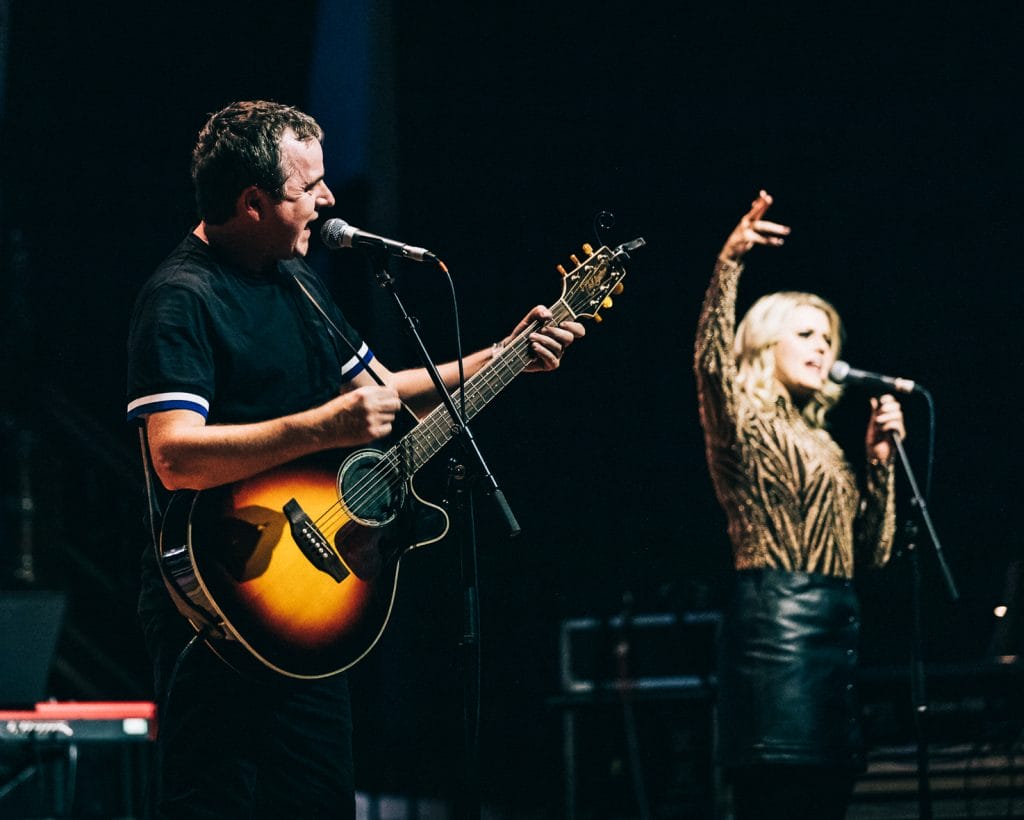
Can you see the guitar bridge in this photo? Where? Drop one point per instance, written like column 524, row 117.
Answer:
column 313, row 544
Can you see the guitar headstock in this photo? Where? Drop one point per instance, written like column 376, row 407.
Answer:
column 592, row 282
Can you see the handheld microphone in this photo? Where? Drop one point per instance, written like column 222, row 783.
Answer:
column 842, row 373
column 337, row 233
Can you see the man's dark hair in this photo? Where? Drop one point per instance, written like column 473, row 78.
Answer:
column 240, row 146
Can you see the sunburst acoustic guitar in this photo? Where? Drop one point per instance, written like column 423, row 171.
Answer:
column 296, row 568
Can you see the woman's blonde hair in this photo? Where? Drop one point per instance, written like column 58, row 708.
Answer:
column 754, row 350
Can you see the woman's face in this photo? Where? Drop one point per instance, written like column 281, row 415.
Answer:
column 803, row 353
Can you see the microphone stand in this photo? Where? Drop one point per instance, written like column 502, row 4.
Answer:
column 624, row 688
column 918, row 693
column 461, row 501
column 460, row 429
column 469, row 807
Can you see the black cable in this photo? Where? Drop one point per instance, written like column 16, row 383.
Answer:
column 71, row 779
column 471, row 640
column 930, row 455
column 603, row 221
column 151, row 802
column 458, row 339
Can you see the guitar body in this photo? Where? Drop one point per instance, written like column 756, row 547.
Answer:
column 238, row 569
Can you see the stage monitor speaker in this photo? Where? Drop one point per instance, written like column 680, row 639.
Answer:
column 637, row 709
column 30, row 624
column 652, row 651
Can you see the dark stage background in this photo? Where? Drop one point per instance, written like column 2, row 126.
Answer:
column 890, row 140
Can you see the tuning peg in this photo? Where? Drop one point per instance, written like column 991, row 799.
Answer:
column 561, row 269
column 588, row 249
column 606, row 302
column 598, row 318
column 619, row 287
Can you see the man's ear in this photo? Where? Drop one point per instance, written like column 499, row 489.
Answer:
column 251, row 203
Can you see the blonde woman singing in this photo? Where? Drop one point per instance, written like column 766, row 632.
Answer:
column 798, row 522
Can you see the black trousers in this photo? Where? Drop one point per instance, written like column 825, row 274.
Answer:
column 234, row 746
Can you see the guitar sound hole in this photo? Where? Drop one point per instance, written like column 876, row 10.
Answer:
column 371, row 489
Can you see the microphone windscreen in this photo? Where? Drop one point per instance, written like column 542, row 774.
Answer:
column 839, row 371
column 332, row 233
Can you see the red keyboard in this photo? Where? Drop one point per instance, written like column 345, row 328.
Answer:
column 73, row 722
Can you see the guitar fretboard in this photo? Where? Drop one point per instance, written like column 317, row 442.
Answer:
column 435, row 430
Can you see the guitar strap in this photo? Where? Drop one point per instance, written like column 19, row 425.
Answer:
column 336, row 331
column 206, row 620
column 152, row 502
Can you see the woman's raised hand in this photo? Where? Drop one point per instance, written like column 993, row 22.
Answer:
column 752, row 230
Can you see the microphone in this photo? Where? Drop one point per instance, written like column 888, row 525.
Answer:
column 842, row 373
column 337, row 233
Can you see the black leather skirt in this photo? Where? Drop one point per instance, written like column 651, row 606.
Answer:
column 787, row 672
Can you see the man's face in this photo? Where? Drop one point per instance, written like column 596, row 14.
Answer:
column 304, row 191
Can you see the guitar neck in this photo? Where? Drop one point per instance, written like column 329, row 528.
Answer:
column 435, row 430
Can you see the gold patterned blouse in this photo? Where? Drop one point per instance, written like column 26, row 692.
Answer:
column 789, row 494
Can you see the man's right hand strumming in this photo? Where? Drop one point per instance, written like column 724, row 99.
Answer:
column 361, row 415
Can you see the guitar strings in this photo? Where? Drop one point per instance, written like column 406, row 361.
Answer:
column 385, row 470
column 385, row 476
